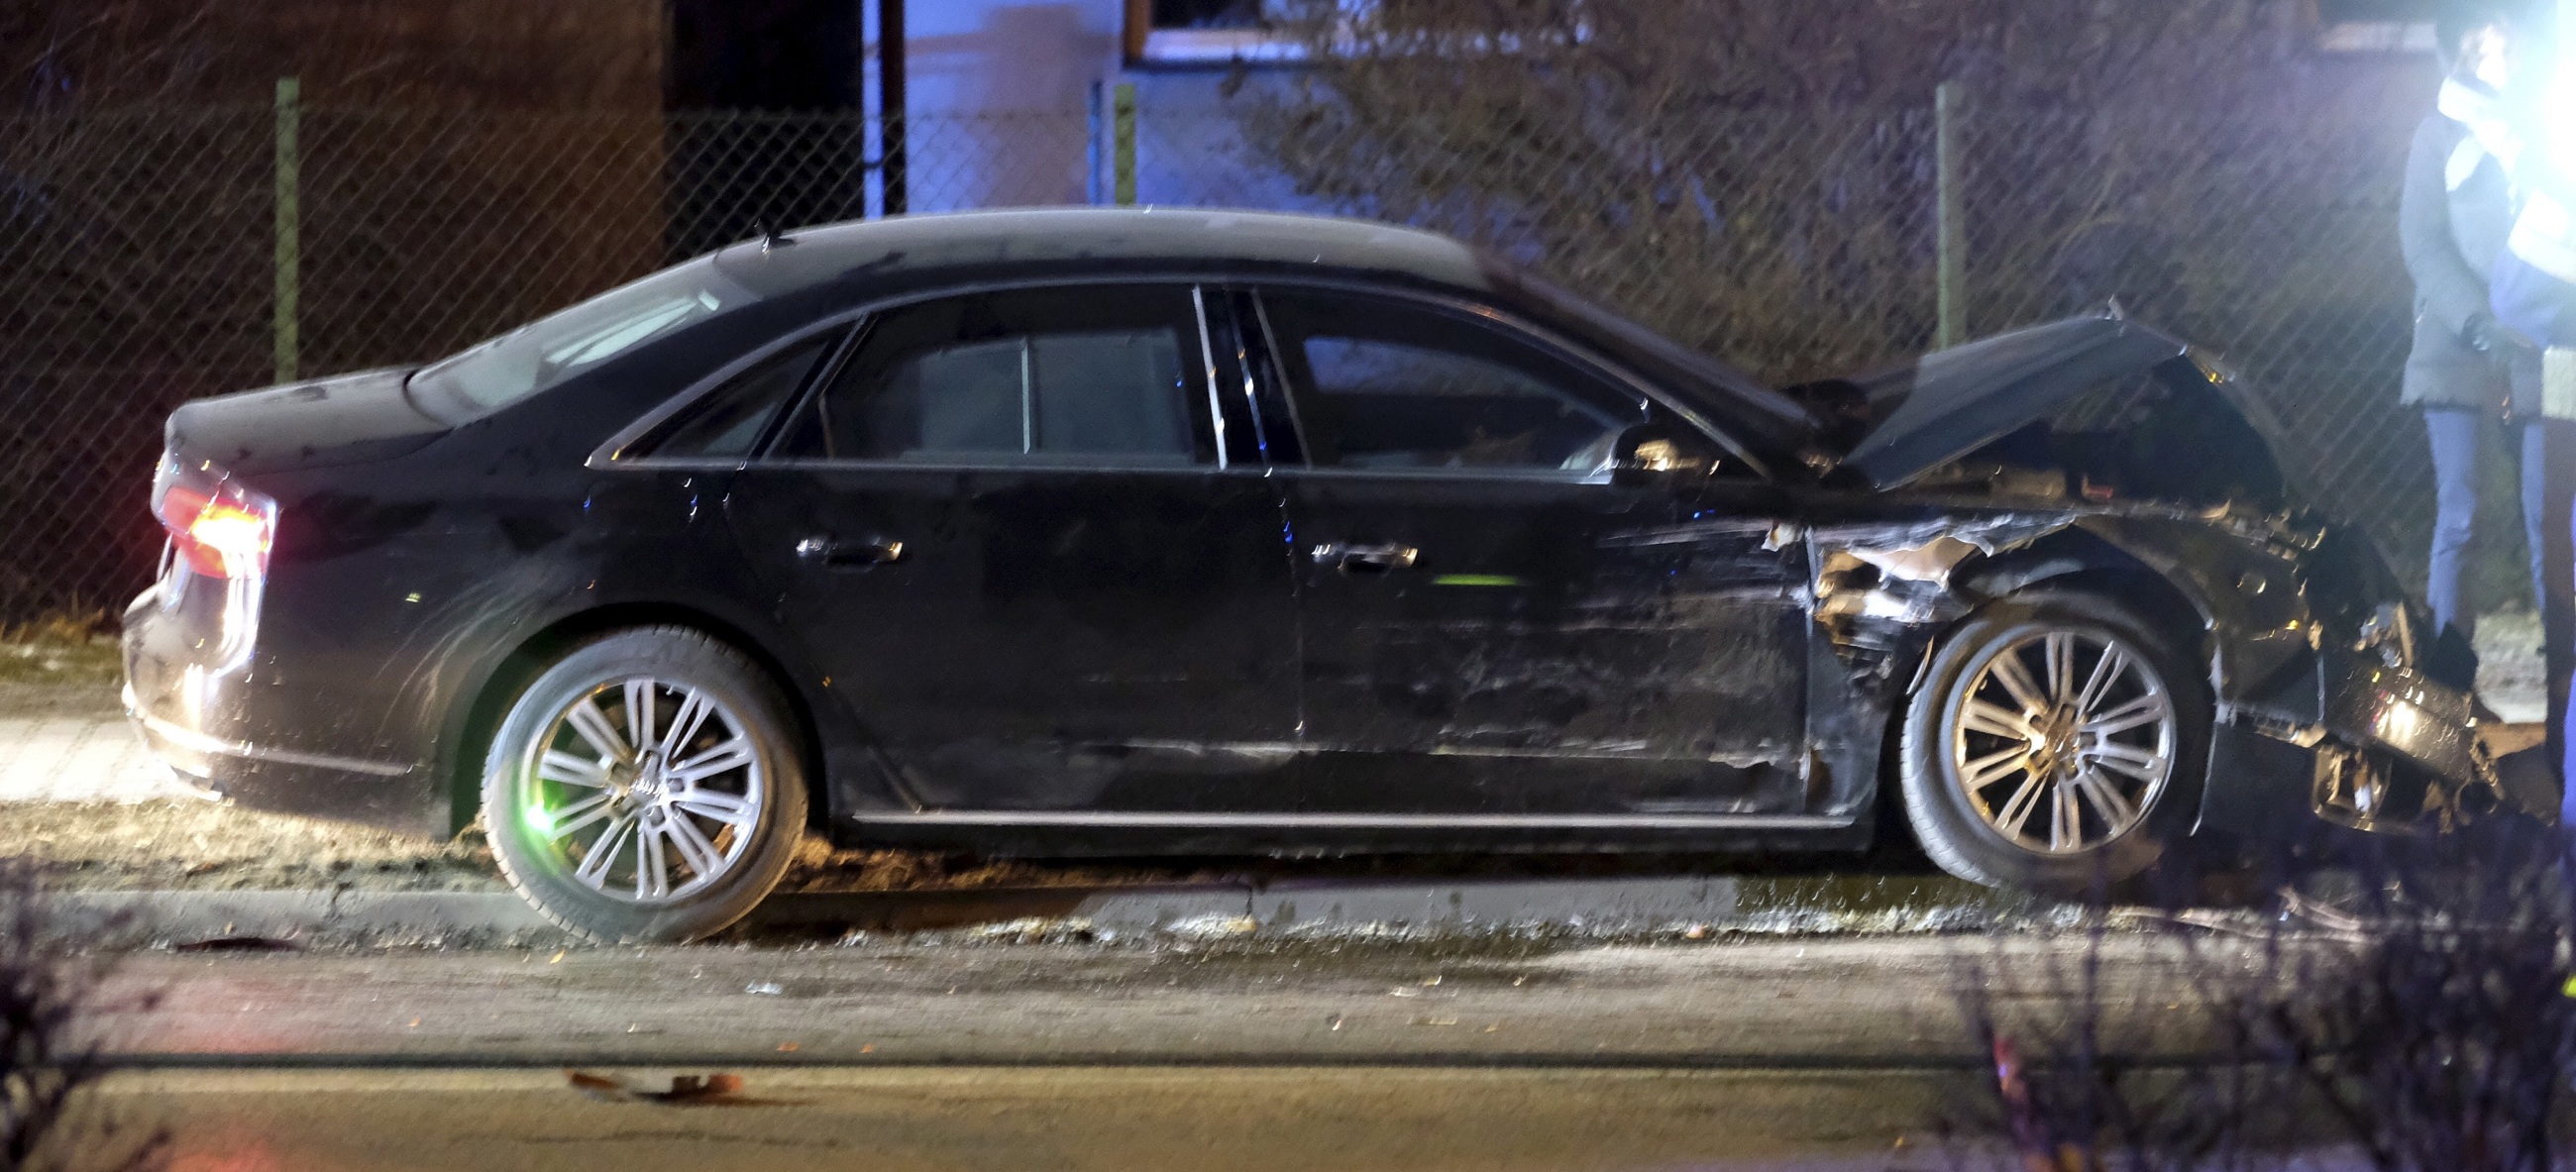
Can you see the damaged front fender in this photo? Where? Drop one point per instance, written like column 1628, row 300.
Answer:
column 2309, row 721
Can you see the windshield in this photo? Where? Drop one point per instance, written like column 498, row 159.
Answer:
column 506, row 369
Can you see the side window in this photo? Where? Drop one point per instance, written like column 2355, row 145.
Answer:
column 1384, row 384
column 1079, row 374
column 729, row 420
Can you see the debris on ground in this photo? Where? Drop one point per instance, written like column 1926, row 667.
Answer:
column 205, row 846
column 687, row 1090
column 237, row 944
column 190, row 845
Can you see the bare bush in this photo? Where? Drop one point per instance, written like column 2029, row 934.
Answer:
column 2435, row 1023
column 2421, row 1023
column 2113, row 1055
column 49, row 1118
column 1764, row 187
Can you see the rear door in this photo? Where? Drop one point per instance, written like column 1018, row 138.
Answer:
column 1003, row 526
column 1493, row 628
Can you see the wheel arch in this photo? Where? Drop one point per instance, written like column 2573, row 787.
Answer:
column 2085, row 576
column 2075, row 561
column 2081, row 562
column 515, row 668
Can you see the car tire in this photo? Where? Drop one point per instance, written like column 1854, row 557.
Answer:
column 698, row 824
column 2132, row 789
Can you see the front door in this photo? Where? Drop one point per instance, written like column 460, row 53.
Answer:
column 1002, row 527
column 1495, row 629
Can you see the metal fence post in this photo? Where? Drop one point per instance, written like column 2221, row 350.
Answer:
column 1123, row 144
column 290, row 227
column 1091, row 184
column 1950, row 277
column 894, row 158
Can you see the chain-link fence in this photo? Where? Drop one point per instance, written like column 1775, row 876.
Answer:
column 1801, row 245
column 140, row 263
column 140, row 257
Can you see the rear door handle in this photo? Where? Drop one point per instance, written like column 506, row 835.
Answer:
column 1367, row 559
column 845, row 555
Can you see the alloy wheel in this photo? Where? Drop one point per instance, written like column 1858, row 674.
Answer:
column 646, row 790
column 2063, row 740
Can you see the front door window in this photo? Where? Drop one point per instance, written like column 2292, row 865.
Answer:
column 1396, row 387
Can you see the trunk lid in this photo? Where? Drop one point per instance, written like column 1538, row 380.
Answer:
column 346, row 419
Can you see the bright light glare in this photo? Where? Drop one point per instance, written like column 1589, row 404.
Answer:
column 223, row 535
column 238, row 537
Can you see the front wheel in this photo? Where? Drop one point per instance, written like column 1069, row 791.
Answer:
column 2057, row 743
column 646, row 787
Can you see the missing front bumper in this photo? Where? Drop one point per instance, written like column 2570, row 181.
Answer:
column 2373, row 748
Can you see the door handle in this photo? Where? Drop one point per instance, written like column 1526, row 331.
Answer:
column 1367, row 559
column 842, row 555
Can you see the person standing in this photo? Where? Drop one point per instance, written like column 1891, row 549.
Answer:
column 2467, row 369
column 2532, row 291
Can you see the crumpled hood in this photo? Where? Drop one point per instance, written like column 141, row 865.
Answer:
column 1949, row 403
column 345, row 419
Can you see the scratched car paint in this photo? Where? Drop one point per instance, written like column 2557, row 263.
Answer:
column 1082, row 532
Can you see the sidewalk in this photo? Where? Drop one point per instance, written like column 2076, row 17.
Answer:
column 1814, row 1003
column 74, row 744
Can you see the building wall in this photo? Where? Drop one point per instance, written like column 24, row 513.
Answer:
column 1001, row 97
column 595, row 55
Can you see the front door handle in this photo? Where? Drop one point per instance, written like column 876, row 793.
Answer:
column 1367, row 559
column 845, row 555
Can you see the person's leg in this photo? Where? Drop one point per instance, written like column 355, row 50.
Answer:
column 2550, row 493
column 2561, row 714
column 2454, row 436
column 2557, row 615
column 2536, row 529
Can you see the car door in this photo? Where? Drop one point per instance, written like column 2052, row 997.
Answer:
column 1001, row 523
column 1494, row 628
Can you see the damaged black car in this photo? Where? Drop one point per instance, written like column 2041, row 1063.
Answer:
column 1121, row 532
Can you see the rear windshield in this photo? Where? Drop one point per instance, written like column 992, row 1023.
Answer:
column 494, row 374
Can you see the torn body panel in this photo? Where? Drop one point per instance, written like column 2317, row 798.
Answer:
column 1555, row 646
column 2328, row 697
column 2102, row 447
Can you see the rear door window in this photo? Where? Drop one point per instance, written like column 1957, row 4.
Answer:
column 726, row 422
column 1107, row 374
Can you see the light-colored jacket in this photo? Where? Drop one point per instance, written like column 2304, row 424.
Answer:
column 2451, row 237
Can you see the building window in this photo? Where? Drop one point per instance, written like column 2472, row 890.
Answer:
column 1209, row 32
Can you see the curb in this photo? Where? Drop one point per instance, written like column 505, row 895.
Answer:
column 1286, row 908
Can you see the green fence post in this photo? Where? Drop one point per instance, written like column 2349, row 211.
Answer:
column 1950, row 277
column 1123, row 144
column 290, row 226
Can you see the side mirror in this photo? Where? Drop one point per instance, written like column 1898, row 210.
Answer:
column 1651, row 452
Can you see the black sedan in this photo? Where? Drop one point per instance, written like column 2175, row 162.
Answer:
column 1089, row 531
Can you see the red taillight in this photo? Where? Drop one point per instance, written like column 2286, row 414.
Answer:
column 221, row 529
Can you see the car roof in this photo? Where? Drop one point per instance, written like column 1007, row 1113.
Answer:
column 914, row 250
column 918, row 245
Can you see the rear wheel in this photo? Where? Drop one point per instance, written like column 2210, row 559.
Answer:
column 646, row 787
column 2057, row 743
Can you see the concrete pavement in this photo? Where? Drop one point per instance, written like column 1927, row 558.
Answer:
column 1810, row 1055
column 1813, row 1003
column 75, row 745
column 1073, row 1119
